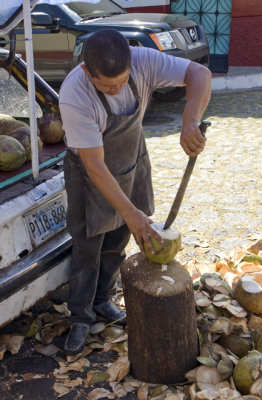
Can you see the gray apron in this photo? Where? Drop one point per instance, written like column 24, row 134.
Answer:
column 128, row 161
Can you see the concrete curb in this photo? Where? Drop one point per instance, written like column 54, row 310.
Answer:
column 238, row 78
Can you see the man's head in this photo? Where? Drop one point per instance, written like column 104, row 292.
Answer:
column 107, row 59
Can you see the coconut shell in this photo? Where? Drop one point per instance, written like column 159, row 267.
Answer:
column 248, row 292
column 12, row 153
column 238, row 345
column 6, row 116
column 247, row 371
column 7, row 126
column 50, row 126
column 23, row 136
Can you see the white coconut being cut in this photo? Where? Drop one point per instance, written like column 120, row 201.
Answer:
column 164, row 253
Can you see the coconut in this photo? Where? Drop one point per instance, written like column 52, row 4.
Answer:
column 247, row 371
column 238, row 345
column 248, row 292
column 8, row 125
column 50, row 126
column 23, row 136
column 12, row 153
column 164, row 253
column 5, row 116
column 253, row 258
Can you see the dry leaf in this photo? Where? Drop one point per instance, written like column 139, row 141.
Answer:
column 75, row 382
column 119, row 370
column 120, row 391
column 142, row 393
column 78, row 365
column 49, row 333
column 120, row 338
column 62, row 309
column 49, row 350
column 61, row 389
column 99, row 394
column 87, row 350
column 96, row 376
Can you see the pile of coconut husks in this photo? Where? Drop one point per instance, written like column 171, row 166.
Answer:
column 228, row 296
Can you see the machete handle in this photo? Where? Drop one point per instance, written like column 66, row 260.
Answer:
column 203, row 126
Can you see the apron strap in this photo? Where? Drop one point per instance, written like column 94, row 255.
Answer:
column 105, row 102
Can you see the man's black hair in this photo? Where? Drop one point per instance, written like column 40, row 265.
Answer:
column 107, row 52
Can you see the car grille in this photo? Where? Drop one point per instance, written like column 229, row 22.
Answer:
column 190, row 34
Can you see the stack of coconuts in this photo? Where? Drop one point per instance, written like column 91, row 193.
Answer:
column 15, row 146
column 228, row 296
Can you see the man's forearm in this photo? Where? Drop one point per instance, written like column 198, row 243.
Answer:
column 198, row 81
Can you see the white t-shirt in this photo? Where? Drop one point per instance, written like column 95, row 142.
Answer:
column 83, row 115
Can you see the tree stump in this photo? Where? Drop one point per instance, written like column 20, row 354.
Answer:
column 161, row 320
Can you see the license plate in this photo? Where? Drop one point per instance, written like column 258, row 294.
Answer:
column 46, row 220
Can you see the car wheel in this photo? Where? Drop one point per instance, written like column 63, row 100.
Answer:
column 172, row 95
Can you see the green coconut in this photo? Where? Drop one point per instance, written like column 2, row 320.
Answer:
column 247, row 371
column 51, row 129
column 248, row 292
column 7, row 126
column 6, row 116
column 238, row 345
column 23, row 136
column 12, row 153
column 164, row 253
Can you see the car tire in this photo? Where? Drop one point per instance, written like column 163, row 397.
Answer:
column 170, row 96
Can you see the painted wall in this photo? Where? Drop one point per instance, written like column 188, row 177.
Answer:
column 215, row 17
column 245, row 45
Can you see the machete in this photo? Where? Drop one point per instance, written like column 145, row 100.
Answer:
column 183, row 185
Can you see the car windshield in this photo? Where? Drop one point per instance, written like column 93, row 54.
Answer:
column 81, row 10
column 14, row 98
column 6, row 13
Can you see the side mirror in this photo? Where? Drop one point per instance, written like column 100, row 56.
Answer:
column 43, row 19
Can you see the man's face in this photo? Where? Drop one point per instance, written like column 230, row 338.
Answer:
column 110, row 86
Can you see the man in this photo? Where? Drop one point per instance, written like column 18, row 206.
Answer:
column 107, row 168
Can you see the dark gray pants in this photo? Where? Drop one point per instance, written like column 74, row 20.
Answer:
column 100, row 258
column 96, row 260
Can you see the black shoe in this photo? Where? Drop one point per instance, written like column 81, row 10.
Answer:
column 76, row 339
column 111, row 312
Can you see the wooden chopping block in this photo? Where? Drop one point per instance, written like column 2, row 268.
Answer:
column 161, row 320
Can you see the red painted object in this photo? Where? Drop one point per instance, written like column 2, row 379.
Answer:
column 165, row 9
column 244, row 8
column 245, row 46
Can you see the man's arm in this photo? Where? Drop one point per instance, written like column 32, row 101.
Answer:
column 136, row 220
column 198, row 91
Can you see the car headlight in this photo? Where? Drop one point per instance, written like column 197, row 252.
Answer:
column 163, row 40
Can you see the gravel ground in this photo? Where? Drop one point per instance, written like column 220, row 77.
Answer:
column 222, row 203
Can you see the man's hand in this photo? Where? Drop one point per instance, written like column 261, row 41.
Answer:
column 192, row 140
column 140, row 227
